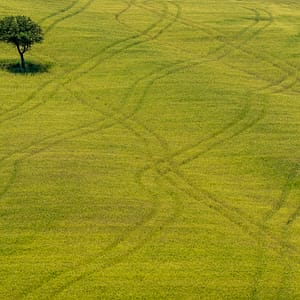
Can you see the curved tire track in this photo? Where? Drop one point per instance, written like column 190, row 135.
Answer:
column 131, row 113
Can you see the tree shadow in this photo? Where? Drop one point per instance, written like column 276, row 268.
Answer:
column 12, row 66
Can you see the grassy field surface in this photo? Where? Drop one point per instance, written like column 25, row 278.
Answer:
column 152, row 151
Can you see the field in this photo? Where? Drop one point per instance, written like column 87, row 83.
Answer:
column 152, row 151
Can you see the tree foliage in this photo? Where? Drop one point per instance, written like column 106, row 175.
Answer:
column 20, row 31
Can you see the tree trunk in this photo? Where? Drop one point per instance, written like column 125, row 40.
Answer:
column 22, row 58
column 22, row 61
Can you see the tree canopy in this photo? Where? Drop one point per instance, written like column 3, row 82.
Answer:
column 22, row 32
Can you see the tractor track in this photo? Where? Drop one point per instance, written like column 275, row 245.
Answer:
column 111, row 116
column 291, row 72
column 60, row 11
column 268, row 217
column 174, row 178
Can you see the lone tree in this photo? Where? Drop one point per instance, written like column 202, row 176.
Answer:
column 22, row 32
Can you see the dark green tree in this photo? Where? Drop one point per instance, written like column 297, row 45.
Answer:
column 22, row 32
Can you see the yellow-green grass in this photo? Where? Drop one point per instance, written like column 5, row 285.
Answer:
column 155, row 155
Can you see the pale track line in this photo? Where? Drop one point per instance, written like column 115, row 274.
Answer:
column 291, row 77
column 291, row 71
column 242, row 116
column 213, row 33
column 125, row 25
column 256, row 21
column 243, row 113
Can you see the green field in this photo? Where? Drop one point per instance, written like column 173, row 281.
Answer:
column 152, row 151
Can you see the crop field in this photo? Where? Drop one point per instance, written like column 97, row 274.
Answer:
column 152, row 151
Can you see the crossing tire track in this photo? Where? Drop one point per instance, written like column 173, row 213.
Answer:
column 157, row 34
column 185, row 189
column 44, row 85
column 282, row 200
column 288, row 81
column 41, row 88
column 138, row 227
column 211, row 33
column 120, row 239
column 286, row 235
column 250, row 228
column 240, row 130
column 152, row 26
column 255, row 229
column 113, row 258
column 13, row 112
column 60, row 11
column 291, row 73
column 87, row 65
column 85, row 128
column 69, row 15
column 86, row 71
